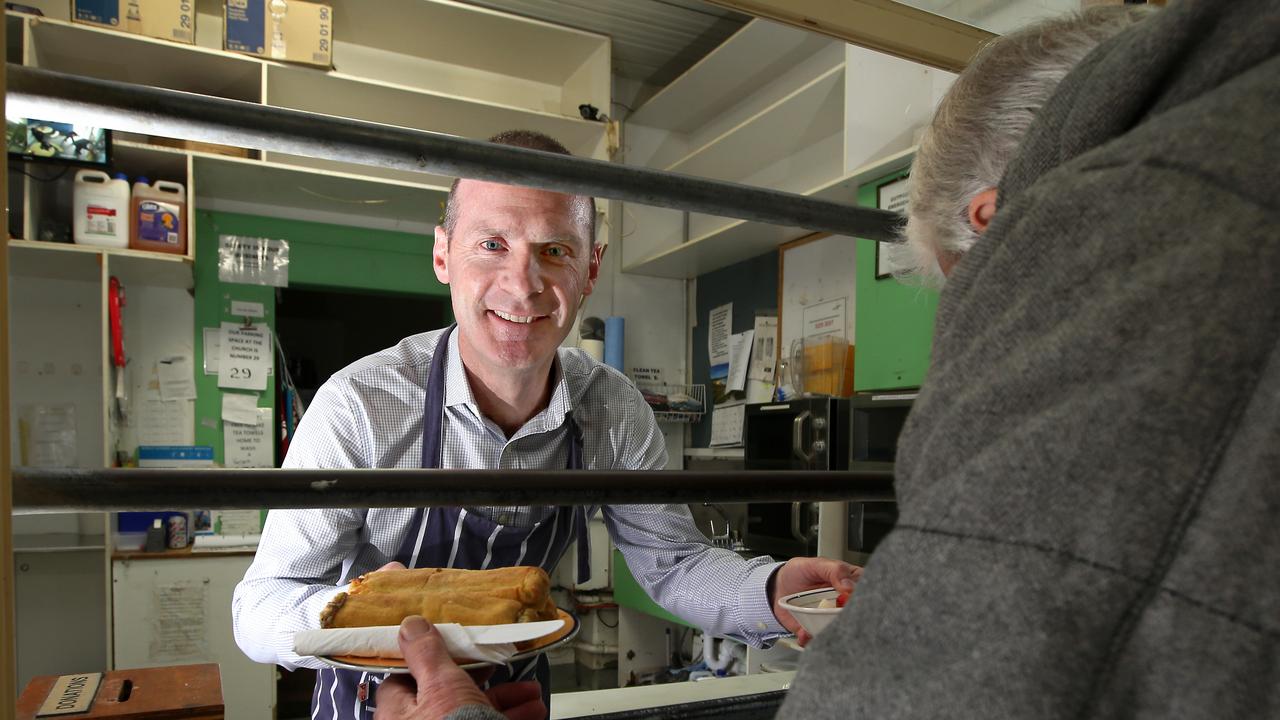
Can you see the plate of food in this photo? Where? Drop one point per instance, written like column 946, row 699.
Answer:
column 533, row 648
column 487, row 616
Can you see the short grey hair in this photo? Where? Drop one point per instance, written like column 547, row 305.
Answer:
column 979, row 124
column 584, row 208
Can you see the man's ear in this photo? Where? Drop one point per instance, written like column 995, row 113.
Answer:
column 593, row 267
column 440, row 255
column 982, row 208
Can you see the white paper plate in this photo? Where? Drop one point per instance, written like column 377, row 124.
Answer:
column 397, row 666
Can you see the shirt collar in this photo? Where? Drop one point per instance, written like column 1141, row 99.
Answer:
column 457, row 391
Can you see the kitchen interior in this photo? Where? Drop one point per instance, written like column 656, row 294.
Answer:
column 757, row 347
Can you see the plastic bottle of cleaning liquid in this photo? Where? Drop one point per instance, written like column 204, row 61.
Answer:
column 101, row 209
column 158, row 217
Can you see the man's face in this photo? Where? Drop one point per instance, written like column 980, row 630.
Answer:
column 518, row 264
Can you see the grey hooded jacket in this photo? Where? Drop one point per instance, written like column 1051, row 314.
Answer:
column 1090, row 480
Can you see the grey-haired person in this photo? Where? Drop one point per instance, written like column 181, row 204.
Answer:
column 1089, row 517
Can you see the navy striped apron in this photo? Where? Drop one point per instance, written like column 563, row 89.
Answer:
column 454, row 537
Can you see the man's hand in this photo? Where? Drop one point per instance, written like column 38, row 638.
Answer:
column 806, row 573
column 440, row 687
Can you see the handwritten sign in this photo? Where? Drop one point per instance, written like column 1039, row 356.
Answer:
column 244, row 356
column 249, row 446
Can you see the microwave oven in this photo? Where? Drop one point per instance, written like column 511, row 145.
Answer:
column 822, row 433
column 810, row 433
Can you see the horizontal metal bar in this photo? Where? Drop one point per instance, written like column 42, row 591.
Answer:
column 33, row 92
column 41, row 490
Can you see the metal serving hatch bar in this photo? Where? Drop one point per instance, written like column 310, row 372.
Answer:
column 34, row 92
column 43, row 490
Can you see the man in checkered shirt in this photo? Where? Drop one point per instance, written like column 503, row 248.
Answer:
column 496, row 392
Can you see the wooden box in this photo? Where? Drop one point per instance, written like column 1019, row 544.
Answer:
column 180, row 691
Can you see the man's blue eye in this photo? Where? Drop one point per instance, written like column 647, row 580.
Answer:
column 556, row 251
column 491, row 245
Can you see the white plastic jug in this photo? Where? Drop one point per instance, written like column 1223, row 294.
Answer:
column 101, row 208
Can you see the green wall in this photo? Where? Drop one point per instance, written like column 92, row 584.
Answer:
column 894, row 322
column 320, row 256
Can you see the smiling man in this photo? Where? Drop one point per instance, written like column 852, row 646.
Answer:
column 495, row 391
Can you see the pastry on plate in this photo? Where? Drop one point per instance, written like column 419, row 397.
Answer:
column 443, row 595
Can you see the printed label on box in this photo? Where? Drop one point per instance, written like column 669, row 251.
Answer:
column 105, row 12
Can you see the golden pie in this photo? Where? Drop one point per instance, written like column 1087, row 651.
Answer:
column 443, row 595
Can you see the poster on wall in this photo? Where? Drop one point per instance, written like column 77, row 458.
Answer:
column 244, row 356
column 894, row 195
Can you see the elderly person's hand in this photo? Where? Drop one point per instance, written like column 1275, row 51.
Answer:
column 439, row 687
column 807, row 573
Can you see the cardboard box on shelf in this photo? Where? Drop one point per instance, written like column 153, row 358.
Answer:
column 301, row 33
column 165, row 19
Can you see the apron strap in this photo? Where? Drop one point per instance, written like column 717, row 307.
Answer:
column 433, row 406
column 580, row 529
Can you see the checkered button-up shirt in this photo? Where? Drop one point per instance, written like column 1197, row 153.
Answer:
column 369, row 415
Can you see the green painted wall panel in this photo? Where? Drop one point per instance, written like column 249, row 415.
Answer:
column 321, row 256
column 894, row 322
column 628, row 593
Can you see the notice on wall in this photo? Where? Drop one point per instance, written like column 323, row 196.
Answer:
column 739, row 359
column 212, row 347
column 163, row 422
column 825, row 318
column 718, row 339
column 240, row 523
column 48, row 435
column 244, row 356
column 249, row 446
column 179, row 622
column 726, row 425
column 646, row 376
column 243, row 308
column 253, row 261
column 894, row 196
column 177, row 382
column 240, row 408
column 764, row 355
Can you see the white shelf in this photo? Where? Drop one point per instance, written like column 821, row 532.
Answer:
column 754, row 56
column 716, row 453
column 68, row 261
column 156, row 162
column 54, row 261
column 388, row 103
column 113, row 55
column 739, row 240
column 268, row 188
column 414, row 89
column 432, row 45
column 58, row 542
column 809, row 115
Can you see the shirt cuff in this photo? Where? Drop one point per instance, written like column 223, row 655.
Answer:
column 757, row 612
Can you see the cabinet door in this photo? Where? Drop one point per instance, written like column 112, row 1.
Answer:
column 59, row 599
column 177, row 611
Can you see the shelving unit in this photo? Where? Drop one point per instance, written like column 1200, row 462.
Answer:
column 435, row 65
column 751, row 58
column 739, row 240
column 783, row 109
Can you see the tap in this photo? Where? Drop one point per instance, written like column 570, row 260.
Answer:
column 719, row 540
